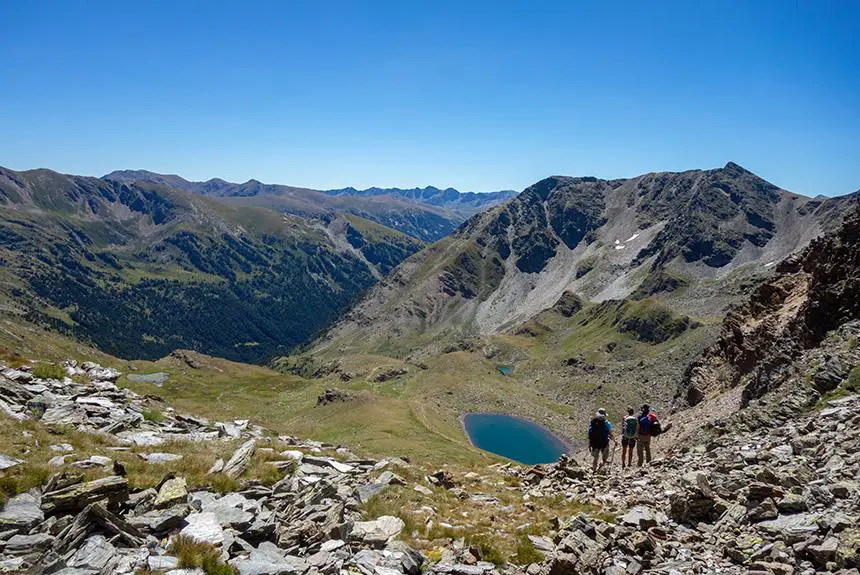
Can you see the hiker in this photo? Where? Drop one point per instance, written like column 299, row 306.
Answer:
column 599, row 436
column 649, row 426
column 629, row 430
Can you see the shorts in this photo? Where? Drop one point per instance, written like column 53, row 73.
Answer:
column 597, row 451
column 628, row 442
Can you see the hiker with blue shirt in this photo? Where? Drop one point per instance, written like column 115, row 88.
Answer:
column 649, row 426
column 599, row 436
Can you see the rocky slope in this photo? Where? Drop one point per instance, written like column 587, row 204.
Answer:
column 777, row 497
column 428, row 214
column 141, row 270
column 812, row 293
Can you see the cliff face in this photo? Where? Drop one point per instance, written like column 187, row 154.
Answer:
column 811, row 294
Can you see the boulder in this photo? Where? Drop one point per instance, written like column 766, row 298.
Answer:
column 26, row 544
column 112, row 489
column 7, row 462
column 94, row 554
column 171, row 492
column 267, row 559
column 377, row 532
column 204, row 528
column 158, row 563
column 824, row 552
column 240, row 460
column 642, row 517
column 21, row 513
column 160, row 520
column 158, row 458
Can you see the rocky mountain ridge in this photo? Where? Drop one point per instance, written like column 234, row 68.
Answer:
column 433, row 195
column 701, row 230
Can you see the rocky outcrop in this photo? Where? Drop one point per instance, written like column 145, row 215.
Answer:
column 812, row 294
column 334, row 395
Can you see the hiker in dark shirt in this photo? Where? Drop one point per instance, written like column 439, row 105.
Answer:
column 599, row 436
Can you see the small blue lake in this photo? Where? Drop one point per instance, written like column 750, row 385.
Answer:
column 513, row 437
column 505, row 369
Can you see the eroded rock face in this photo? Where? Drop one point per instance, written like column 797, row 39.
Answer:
column 812, row 294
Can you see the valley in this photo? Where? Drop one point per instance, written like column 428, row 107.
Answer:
column 589, row 292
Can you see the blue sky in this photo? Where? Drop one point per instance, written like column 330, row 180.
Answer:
column 475, row 95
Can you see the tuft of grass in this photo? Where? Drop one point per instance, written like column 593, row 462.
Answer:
column 223, row 484
column 526, row 553
column 489, row 548
column 192, row 554
column 11, row 358
column 853, row 381
column 21, row 479
column 49, row 371
column 380, row 505
column 153, row 416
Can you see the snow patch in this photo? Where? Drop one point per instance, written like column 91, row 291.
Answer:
column 619, row 247
column 631, row 238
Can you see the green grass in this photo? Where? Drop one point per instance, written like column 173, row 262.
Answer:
column 526, row 552
column 49, row 371
column 192, row 554
column 853, row 382
column 153, row 416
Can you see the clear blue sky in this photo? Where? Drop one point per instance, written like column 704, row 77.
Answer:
column 475, row 95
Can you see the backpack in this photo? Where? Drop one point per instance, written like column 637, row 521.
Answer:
column 656, row 427
column 598, row 434
column 630, row 423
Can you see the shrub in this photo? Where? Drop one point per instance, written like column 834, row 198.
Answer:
column 192, row 554
column 49, row 371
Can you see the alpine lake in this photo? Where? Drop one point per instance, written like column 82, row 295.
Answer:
column 513, row 437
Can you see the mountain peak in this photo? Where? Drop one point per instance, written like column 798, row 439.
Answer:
column 736, row 169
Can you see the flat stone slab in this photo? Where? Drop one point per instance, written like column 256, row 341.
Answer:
column 22, row 512
column 7, row 461
column 203, row 528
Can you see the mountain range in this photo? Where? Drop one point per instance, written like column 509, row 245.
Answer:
column 726, row 303
column 142, row 269
column 427, row 213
